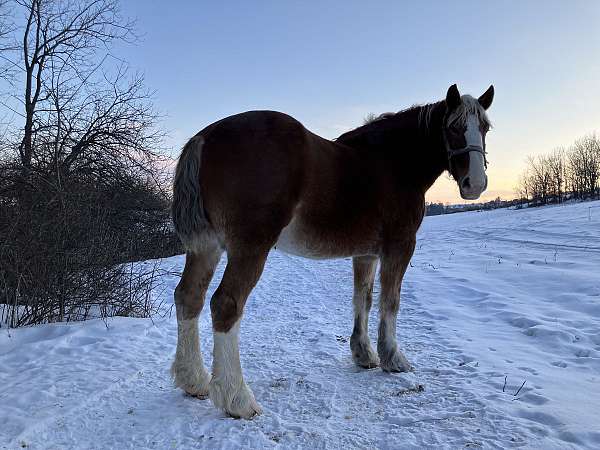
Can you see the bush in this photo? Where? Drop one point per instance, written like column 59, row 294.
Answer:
column 67, row 251
column 81, row 195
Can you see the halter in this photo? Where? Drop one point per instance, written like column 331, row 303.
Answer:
column 452, row 152
column 469, row 148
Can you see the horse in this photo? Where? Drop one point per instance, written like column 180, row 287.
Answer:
column 258, row 180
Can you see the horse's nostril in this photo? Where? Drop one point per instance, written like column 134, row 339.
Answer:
column 466, row 184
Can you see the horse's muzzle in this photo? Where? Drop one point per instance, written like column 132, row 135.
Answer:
column 470, row 190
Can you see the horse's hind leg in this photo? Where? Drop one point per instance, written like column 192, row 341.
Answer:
column 364, row 275
column 188, row 369
column 227, row 389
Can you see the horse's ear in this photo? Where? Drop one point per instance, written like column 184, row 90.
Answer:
column 487, row 97
column 452, row 97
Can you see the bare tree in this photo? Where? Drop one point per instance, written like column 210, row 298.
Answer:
column 6, row 28
column 575, row 171
column 584, row 166
column 7, row 46
column 539, row 178
column 81, row 113
column 62, row 44
column 80, row 183
column 557, row 170
column 523, row 188
column 562, row 173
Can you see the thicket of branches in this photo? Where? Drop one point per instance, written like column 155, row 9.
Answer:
column 563, row 174
column 82, row 192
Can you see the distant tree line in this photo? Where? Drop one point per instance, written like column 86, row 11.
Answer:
column 563, row 174
column 435, row 209
column 82, row 183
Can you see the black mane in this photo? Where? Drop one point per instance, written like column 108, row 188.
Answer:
column 423, row 113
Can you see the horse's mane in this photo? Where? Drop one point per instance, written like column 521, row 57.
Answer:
column 468, row 106
column 424, row 112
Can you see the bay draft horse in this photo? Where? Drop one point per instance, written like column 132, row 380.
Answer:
column 259, row 179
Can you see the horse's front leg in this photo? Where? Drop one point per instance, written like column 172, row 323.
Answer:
column 393, row 267
column 364, row 274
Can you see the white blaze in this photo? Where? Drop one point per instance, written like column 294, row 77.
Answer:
column 473, row 134
column 477, row 176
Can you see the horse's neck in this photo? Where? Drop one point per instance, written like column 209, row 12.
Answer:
column 426, row 155
column 410, row 145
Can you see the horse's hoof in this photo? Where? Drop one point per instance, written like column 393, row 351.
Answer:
column 250, row 413
column 370, row 365
column 397, row 369
column 193, row 382
column 199, row 390
column 396, row 363
column 203, row 395
column 362, row 352
column 240, row 404
column 366, row 361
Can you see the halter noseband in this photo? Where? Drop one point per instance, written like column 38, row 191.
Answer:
column 469, row 148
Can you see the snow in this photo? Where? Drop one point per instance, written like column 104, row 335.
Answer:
column 492, row 300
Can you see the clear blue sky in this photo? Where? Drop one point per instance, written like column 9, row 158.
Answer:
column 330, row 63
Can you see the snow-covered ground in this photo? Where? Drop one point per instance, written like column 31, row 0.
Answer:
column 500, row 317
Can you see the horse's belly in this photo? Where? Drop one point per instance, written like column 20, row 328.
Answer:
column 301, row 240
column 293, row 241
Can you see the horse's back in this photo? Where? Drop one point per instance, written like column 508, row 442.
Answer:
column 252, row 172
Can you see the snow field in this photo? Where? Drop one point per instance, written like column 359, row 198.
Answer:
column 493, row 300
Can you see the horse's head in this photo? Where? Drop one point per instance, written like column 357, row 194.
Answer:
column 464, row 129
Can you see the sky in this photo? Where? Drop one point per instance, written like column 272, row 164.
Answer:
column 329, row 64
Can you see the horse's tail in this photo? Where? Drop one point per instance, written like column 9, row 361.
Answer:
column 189, row 217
